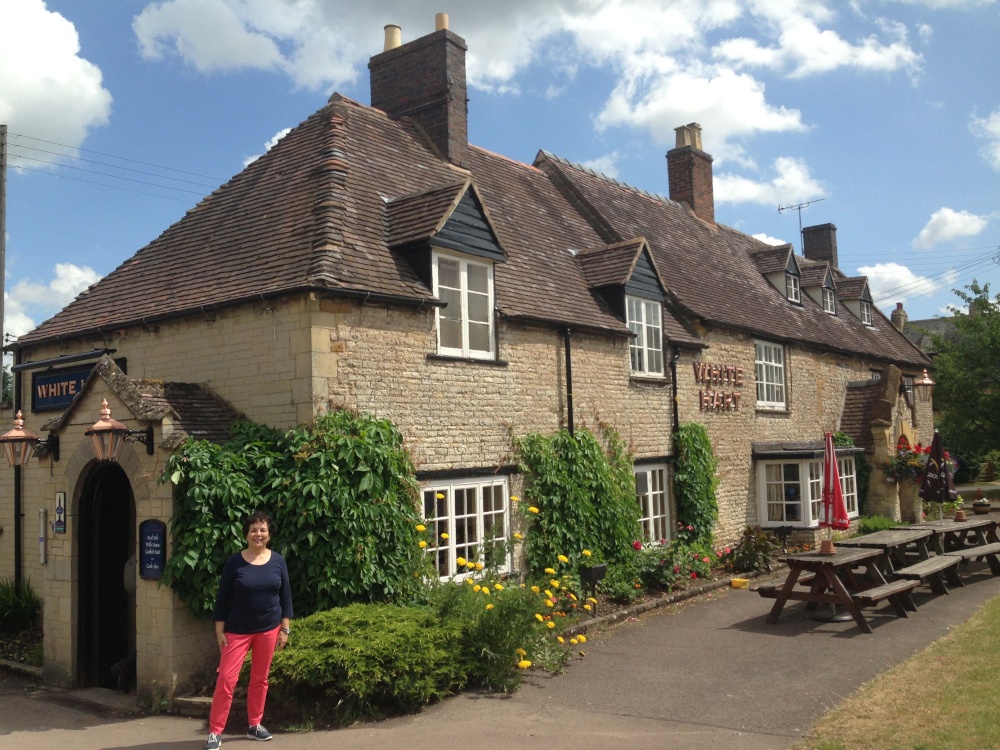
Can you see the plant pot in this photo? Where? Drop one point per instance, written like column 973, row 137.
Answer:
column 826, row 547
column 981, row 509
column 960, row 515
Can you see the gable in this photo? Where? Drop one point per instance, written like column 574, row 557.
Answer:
column 468, row 231
column 644, row 281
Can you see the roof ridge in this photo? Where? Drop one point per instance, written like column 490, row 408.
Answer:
column 329, row 210
column 612, row 180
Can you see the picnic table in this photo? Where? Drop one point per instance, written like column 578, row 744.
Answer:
column 894, row 542
column 829, row 577
column 951, row 535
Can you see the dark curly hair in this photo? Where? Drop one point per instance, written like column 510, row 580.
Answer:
column 258, row 516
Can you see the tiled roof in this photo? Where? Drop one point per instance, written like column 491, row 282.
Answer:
column 856, row 419
column 852, row 287
column 814, row 275
column 771, row 259
column 613, row 264
column 420, row 215
column 923, row 333
column 710, row 271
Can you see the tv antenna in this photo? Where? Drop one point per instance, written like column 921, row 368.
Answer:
column 799, row 207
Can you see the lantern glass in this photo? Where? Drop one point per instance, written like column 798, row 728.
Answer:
column 18, row 444
column 107, row 436
column 923, row 386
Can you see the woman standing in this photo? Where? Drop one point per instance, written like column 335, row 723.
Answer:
column 253, row 610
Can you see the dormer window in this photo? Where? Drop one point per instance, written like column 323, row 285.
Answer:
column 646, row 349
column 792, row 288
column 866, row 313
column 829, row 302
column 465, row 324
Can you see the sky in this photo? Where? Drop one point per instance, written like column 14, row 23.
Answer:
column 879, row 116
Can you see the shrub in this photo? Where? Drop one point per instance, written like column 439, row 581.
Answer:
column 621, row 583
column 669, row 565
column 20, row 606
column 754, row 551
column 695, row 483
column 871, row 524
column 368, row 661
column 583, row 497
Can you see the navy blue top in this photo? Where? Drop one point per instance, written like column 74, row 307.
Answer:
column 253, row 598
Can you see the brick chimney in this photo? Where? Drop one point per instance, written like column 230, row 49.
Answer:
column 820, row 243
column 899, row 317
column 689, row 172
column 425, row 80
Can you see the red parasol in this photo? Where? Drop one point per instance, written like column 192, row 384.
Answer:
column 834, row 509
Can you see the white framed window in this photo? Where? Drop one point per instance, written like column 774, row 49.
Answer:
column 866, row 313
column 769, row 369
column 908, row 387
column 465, row 325
column 475, row 515
column 651, row 490
column 829, row 301
column 792, row 287
column 790, row 493
column 645, row 320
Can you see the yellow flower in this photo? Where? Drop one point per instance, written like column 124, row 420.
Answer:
column 421, row 527
column 536, row 590
column 479, row 566
column 422, row 544
column 550, row 624
column 555, row 583
column 523, row 664
column 586, row 553
column 520, row 652
column 470, row 564
column 549, row 603
column 550, row 571
column 484, row 591
column 469, row 581
column 439, row 496
column 582, row 638
column 476, row 588
column 514, row 498
column 460, row 562
column 498, row 587
column 586, row 607
column 533, row 509
column 539, row 617
column 518, row 536
column 560, row 639
column 571, row 595
column 574, row 641
column 562, row 558
column 548, row 593
column 592, row 600
column 444, row 536
column 489, row 607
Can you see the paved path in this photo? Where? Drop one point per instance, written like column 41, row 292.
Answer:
column 707, row 673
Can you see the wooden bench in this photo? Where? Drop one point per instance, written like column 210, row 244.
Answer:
column 988, row 551
column 934, row 571
column 897, row 592
column 770, row 590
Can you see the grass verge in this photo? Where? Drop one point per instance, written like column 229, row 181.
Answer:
column 944, row 698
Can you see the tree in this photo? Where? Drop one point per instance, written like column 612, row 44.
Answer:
column 967, row 394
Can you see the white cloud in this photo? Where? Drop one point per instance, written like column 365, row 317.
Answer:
column 47, row 90
column 988, row 128
column 948, row 4
column 607, row 165
column 267, row 146
column 792, row 184
column 890, row 283
column 769, row 239
column 30, row 300
column 947, row 224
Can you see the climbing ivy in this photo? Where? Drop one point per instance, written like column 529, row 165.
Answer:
column 343, row 497
column 695, row 483
column 584, row 495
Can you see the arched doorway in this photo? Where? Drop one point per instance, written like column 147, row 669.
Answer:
column 106, row 624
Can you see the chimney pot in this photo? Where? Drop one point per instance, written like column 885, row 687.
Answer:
column 393, row 37
column 440, row 21
column 689, row 172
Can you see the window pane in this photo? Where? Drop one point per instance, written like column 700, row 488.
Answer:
column 479, row 337
column 478, row 279
column 479, row 308
column 451, row 333
column 449, row 274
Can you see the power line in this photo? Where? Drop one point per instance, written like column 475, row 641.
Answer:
column 112, row 156
column 923, row 281
column 104, row 184
column 113, row 176
column 112, row 166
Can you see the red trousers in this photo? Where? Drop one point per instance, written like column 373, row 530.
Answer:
column 262, row 647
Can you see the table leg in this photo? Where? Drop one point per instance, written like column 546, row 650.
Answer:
column 845, row 598
column 786, row 590
column 922, row 551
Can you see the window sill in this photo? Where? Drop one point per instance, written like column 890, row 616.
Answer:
column 467, row 360
column 660, row 380
column 766, row 411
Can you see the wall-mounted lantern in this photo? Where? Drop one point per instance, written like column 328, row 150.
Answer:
column 923, row 386
column 19, row 444
column 108, row 436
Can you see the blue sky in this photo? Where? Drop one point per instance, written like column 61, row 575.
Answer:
column 886, row 113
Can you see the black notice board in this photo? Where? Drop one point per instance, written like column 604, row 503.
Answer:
column 152, row 549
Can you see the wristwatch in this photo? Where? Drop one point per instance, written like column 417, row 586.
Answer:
column 286, row 631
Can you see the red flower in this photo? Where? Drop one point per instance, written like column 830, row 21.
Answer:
column 705, row 560
column 677, row 569
column 694, row 574
column 636, row 544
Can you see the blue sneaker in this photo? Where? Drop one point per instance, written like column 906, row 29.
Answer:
column 258, row 733
column 214, row 741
